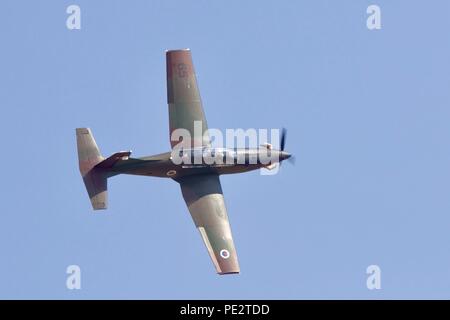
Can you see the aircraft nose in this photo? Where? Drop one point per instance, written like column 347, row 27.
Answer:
column 284, row 155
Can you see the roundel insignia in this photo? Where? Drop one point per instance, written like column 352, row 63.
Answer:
column 224, row 253
column 171, row 173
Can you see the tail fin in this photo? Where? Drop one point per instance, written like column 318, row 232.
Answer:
column 94, row 179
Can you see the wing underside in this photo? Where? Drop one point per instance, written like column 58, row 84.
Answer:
column 205, row 201
column 183, row 97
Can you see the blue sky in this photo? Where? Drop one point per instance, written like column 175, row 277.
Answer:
column 367, row 114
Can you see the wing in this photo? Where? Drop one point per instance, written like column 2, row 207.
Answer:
column 183, row 97
column 204, row 198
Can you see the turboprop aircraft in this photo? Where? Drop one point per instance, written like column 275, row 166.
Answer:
column 193, row 162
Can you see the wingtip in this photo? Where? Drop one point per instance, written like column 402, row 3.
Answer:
column 82, row 130
column 177, row 50
column 226, row 273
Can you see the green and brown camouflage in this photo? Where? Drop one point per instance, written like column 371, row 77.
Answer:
column 199, row 182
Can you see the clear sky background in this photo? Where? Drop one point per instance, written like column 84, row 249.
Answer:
column 368, row 119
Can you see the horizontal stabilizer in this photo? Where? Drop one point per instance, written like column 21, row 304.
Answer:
column 110, row 161
column 97, row 187
column 94, row 179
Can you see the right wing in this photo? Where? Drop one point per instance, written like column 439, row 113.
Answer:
column 204, row 198
column 183, row 97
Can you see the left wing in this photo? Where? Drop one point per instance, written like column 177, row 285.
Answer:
column 183, row 97
column 204, row 198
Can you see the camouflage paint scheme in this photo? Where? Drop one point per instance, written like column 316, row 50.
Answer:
column 200, row 183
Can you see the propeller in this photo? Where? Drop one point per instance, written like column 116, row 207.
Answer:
column 291, row 159
column 283, row 138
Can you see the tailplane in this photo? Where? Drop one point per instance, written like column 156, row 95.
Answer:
column 95, row 179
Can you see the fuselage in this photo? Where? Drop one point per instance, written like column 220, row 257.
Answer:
column 182, row 162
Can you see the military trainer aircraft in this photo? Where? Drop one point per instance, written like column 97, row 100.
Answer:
column 199, row 180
